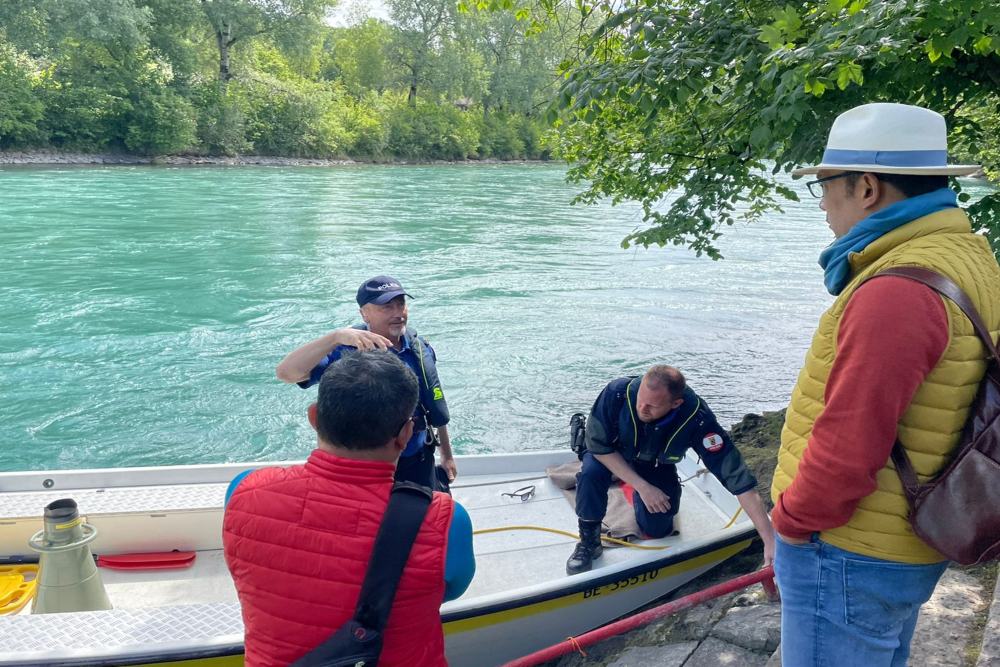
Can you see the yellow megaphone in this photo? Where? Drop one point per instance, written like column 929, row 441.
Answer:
column 68, row 579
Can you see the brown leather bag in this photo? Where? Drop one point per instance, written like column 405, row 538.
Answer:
column 958, row 512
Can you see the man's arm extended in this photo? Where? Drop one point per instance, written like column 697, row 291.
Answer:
column 447, row 458
column 297, row 366
column 754, row 507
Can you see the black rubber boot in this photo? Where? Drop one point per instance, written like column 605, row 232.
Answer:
column 587, row 549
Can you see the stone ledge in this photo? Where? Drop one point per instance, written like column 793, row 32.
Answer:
column 989, row 654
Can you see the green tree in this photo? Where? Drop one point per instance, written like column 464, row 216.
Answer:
column 359, row 56
column 420, row 25
column 233, row 21
column 708, row 100
column 21, row 109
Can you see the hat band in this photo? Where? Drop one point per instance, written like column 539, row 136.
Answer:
column 847, row 158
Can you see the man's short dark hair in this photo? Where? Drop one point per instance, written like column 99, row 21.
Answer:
column 364, row 400
column 666, row 377
column 908, row 184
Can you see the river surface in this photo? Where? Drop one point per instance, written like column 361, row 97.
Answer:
column 145, row 308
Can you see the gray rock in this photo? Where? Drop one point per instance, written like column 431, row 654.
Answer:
column 775, row 659
column 989, row 654
column 670, row 655
column 697, row 622
column 714, row 652
column 757, row 628
column 946, row 620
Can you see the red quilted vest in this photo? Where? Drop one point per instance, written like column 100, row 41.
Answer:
column 297, row 541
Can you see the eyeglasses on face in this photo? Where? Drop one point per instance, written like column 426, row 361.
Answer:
column 817, row 188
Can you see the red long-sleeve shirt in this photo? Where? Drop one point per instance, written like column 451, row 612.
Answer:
column 892, row 334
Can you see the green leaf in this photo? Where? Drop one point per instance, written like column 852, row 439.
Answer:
column 833, row 7
column 760, row 136
column 856, row 6
column 848, row 73
column 771, row 36
column 983, row 45
column 815, row 86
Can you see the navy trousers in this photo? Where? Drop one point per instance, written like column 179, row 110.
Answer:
column 594, row 480
column 418, row 468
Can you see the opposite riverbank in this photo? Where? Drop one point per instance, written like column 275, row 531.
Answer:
column 956, row 628
column 50, row 158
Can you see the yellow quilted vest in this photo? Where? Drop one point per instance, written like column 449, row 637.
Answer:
column 932, row 424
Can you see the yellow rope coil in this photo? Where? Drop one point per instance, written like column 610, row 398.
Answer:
column 543, row 529
column 566, row 533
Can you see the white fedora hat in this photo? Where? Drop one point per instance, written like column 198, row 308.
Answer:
column 889, row 139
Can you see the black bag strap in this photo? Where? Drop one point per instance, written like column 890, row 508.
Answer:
column 404, row 515
column 947, row 288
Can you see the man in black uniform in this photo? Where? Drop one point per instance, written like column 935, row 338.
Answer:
column 638, row 429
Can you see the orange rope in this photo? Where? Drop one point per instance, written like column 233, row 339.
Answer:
column 576, row 645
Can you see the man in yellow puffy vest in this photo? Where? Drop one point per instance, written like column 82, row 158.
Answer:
column 890, row 358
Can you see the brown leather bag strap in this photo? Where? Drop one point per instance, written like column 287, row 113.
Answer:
column 907, row 475
column 947, row 287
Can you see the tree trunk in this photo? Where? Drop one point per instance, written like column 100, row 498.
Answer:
column 224, row 40
column 411, row 97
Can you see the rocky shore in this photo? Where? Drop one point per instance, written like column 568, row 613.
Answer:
column 59, row 158
column 956, row 627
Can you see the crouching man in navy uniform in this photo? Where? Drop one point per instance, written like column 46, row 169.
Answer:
column 638, row 429
column 382, row 301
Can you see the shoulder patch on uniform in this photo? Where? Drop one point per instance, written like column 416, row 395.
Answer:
column 713, row 442
column 438, row 394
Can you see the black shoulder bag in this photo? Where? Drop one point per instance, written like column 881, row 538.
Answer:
column 358, row 643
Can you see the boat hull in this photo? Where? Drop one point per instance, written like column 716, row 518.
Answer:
column 520, row 601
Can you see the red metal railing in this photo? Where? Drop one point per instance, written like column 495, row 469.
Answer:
column 764, row 576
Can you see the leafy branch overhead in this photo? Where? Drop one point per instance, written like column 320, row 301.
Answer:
column 691, row 108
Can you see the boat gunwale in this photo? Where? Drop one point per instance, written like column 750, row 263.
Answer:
column 33, row 481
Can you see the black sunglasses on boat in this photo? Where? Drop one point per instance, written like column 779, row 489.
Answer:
column 525, row 493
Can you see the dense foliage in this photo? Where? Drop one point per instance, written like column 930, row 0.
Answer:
column 274, row 77
column 708, row 101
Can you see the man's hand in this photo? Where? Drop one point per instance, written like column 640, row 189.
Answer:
column 361, row 339
column 768, row 550
column 448, row 463
column 656, row 501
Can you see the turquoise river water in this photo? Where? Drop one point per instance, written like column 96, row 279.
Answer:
column 145, row 308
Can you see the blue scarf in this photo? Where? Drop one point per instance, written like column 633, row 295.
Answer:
column 834, row 259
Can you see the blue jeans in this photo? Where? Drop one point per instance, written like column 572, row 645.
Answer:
column 594, row 480
column 841, row 609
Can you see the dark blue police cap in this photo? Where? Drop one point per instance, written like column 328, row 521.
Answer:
column 379, row 290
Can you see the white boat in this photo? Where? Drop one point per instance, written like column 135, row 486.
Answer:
column 520, row 600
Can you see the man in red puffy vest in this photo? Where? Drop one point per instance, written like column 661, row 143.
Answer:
column 297, row 540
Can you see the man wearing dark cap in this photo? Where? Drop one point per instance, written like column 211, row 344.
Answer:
column 382, row 300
